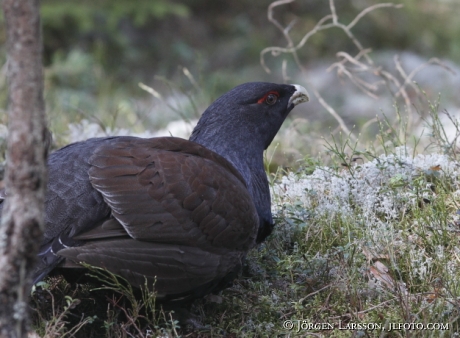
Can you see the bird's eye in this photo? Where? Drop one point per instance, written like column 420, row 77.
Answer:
column 271, row 99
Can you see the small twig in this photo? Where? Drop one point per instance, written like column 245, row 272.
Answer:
column 408, row 78
column 335, row 18
column 291, row 49
column 354, row 60
column 314, row 293
column 403, row 74
column 172, row 325
column 370, row 9
column 129, row 318
column 283, row 30
column 334, row 114
column 284, row 71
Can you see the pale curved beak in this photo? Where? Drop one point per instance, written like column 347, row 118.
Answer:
column 300, row 95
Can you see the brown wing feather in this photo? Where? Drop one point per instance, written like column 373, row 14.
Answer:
column 169, row 190
column 175, row 269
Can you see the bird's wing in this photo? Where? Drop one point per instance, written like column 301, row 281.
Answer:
column 174, row 269
column 169, row 190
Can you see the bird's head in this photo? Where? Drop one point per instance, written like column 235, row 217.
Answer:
column 249, row 115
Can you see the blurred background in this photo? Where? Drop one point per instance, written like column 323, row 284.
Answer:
column 151, row 67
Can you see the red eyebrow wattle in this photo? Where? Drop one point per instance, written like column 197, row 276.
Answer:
column 262, row 99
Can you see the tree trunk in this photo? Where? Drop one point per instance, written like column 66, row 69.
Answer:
column 22, row 220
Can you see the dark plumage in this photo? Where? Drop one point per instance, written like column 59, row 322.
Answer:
column 185, row 212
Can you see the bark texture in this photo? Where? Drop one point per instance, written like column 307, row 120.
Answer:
column 22, row 220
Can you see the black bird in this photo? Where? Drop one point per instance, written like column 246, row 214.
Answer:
column 182, row 212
